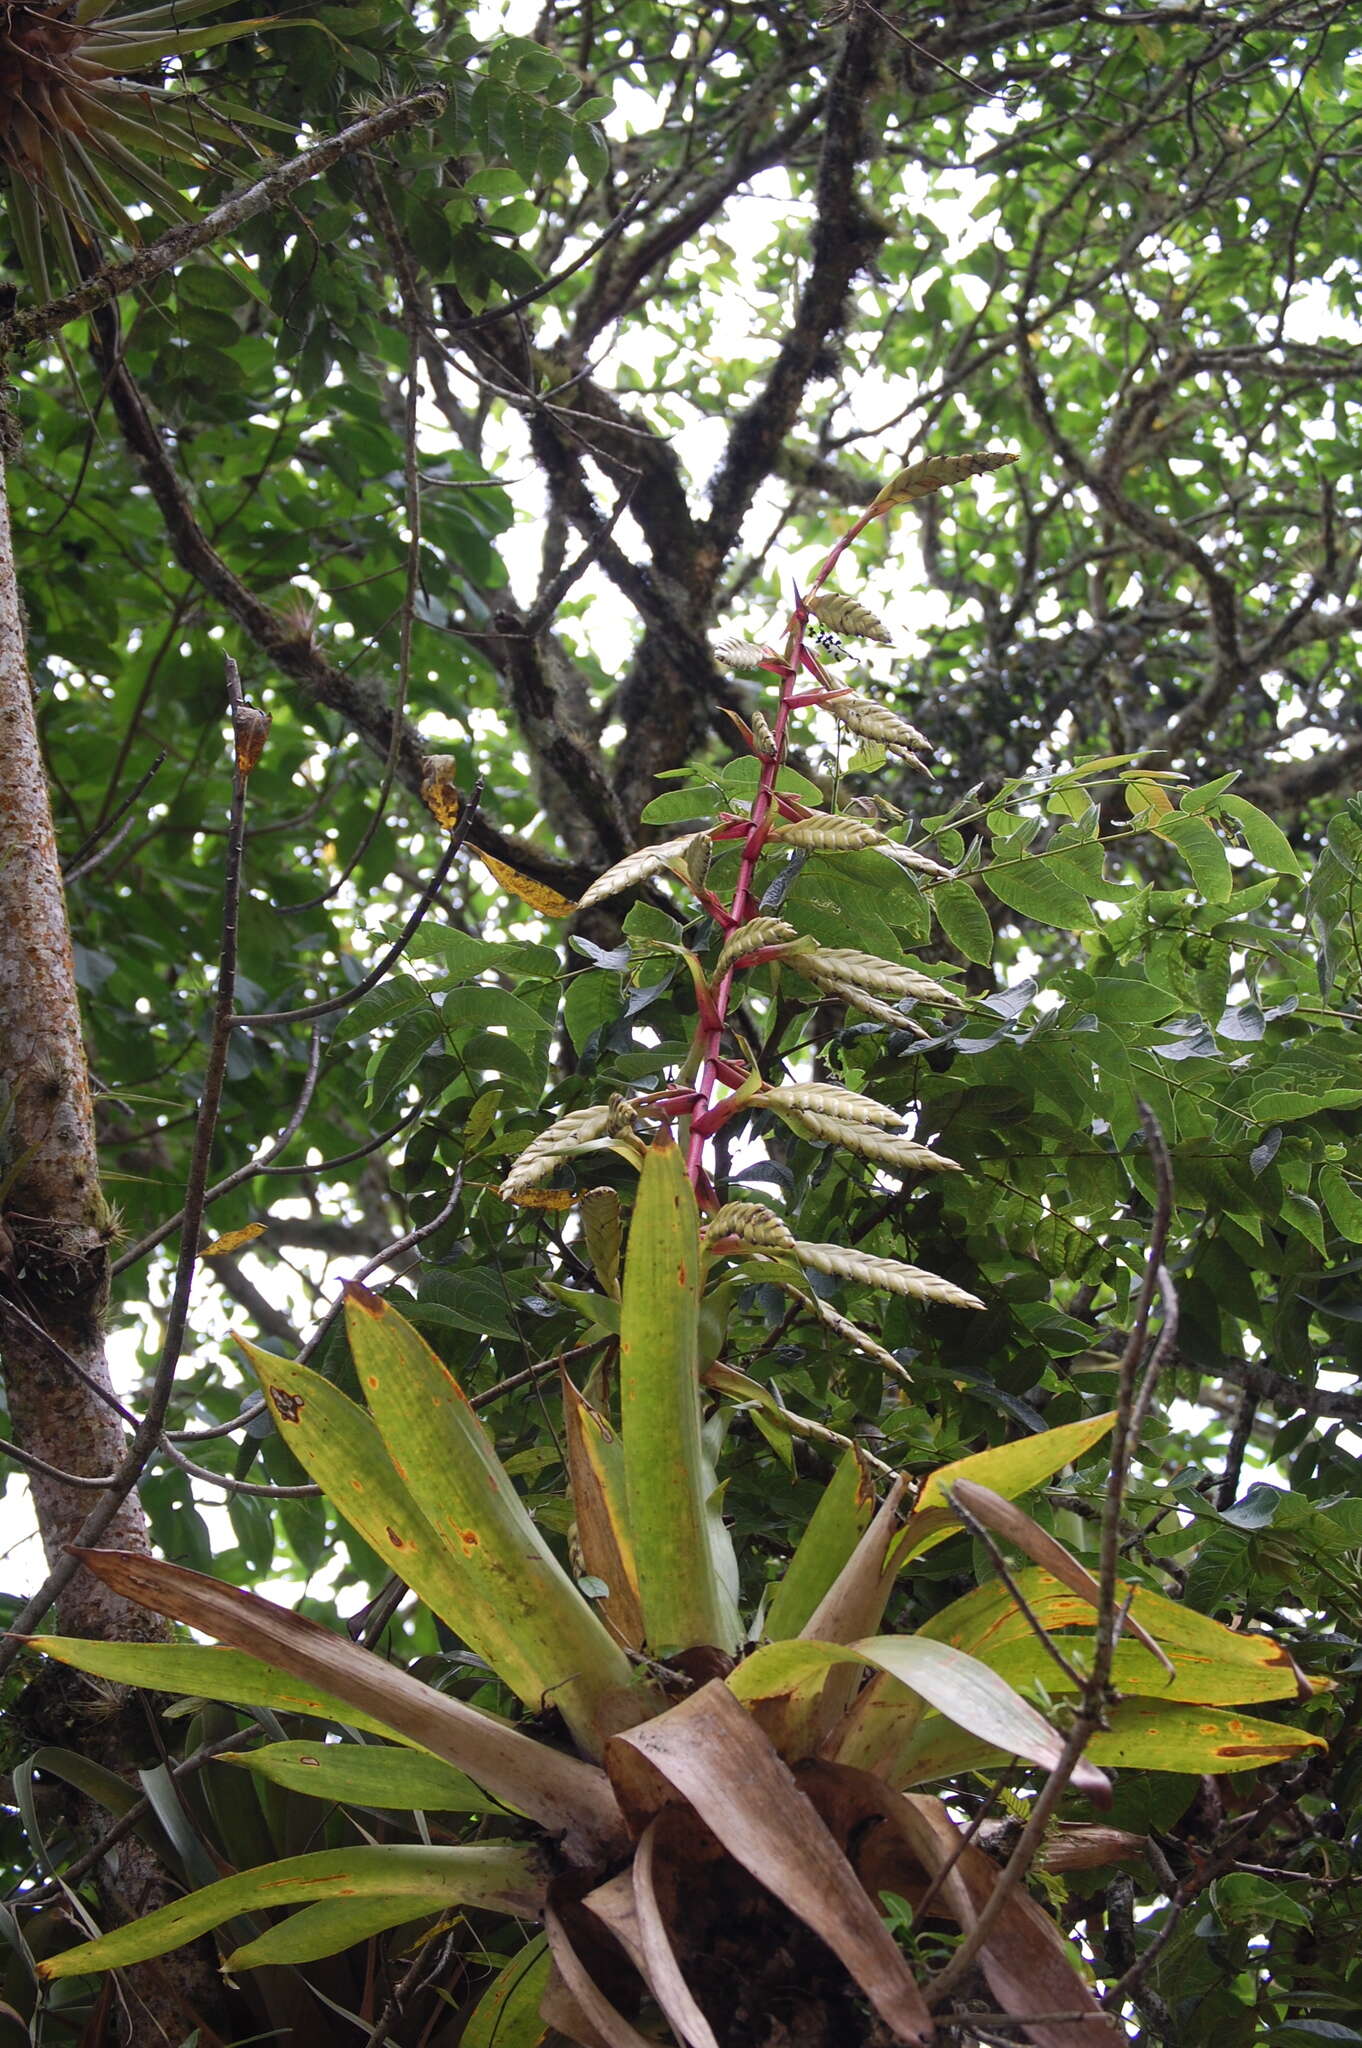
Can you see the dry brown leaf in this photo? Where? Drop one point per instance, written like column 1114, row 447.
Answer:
column 663, row 1971
column 611, row 2027
column 570, row 1798
column 1027, row 1963
column 711, row 1753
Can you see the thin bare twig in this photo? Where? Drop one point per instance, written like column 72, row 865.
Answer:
column 1134, row 1393
column 399, row 945
column 99, row 845
column 240, row 1173
column 32, row 1463
column 255, row 1489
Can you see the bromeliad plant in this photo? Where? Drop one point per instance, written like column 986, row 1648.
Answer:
column 82, row 125
column 700, row 1796
column 708, row 1808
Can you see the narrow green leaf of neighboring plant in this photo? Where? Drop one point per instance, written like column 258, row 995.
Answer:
column 1010, row 1469
column 545, row 1639
column 1143, row 1734
column 684, row 1601
column 595, row 1461
column 570, row 1798
column 836, row 1525
column 507, row 1877
column 507, row 2014
column 205, row 1673
column 333, row 1925
column 366, row 1774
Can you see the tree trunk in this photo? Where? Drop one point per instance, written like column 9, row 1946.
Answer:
column 52, row 1208
column 54, row 1267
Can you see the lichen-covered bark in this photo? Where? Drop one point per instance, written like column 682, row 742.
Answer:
column 54, row 1267
column 57, row 1270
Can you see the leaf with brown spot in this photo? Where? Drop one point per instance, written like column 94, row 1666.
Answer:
column 544, row 1637
column 1141, row 1734
column 339, row 1446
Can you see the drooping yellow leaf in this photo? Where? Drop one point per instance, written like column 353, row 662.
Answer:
column 538, row 895
column 440, row 795
column 233, row 1241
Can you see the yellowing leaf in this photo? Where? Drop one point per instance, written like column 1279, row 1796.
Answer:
column 1010, row 1469
column 439, row 790
column 233, row 1241
column 538, row 895
column 1141, row 1734
column 1146, row 800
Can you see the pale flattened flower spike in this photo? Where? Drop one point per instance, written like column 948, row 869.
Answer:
column 754, row 1223
column 892, row 1275
column 634, row 868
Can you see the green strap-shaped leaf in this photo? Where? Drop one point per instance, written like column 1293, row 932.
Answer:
column 833, row 1530
column 930, row 1675
column 683, row 1597
column 507, row 2014
column 504, row 1876
column 1142, row 1734
column 364, row 1774
column 340, row 1447
column 333, row 1925
column 232, row 1676
column 540, row 1627
column 1010, row 1469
